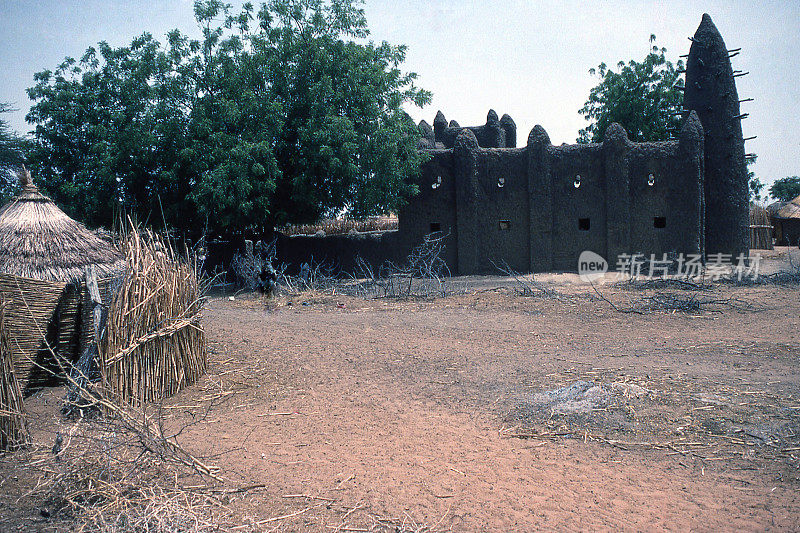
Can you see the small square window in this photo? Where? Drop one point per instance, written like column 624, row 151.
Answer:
column 660, row 222
column 435, row 226
column 505, row 225
column 584, row 224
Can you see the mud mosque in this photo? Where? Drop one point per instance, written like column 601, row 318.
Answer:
column 537, row 207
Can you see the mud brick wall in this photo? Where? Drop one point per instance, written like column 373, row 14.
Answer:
column 339, row 251
column 537, row 208
column 496, row 133
column 434, row 208
column 685, row 196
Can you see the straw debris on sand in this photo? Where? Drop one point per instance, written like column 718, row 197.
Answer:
column 154, row 344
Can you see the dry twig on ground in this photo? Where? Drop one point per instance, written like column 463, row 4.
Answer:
column 424, row 274
column 530, row 287
column 665, row 283
column 787, row 276
column 685, row 301
column 119, row 472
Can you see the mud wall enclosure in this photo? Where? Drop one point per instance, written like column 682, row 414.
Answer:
column 537, row 208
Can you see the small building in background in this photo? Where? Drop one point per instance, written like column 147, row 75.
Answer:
column 785, row 219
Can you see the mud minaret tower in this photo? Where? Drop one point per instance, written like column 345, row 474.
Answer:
column 711, row 92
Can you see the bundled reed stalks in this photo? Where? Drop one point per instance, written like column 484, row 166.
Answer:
column 13, row 425
column 760, row 228
column 154, row 344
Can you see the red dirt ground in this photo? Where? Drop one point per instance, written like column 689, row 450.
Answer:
column 386, row 415
column 397, row 407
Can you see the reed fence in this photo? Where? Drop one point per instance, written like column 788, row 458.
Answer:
column 760, row 228
column 154, row 344
column 13, row 425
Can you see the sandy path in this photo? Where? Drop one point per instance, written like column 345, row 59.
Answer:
column 395, row 407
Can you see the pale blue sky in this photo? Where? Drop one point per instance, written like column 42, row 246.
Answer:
column 525, row 58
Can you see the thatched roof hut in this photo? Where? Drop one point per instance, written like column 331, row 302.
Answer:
column 790, row 209
column 776, row 206
column 786, row 221
column 39, row 241
column 43, row 254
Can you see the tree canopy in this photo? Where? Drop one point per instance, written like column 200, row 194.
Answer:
column 754, row 184
column 279, row 113
column 641, row 97
column 785, row 189
column 11, row 154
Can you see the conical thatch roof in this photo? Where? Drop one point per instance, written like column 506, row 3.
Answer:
column 790, row 210
column 774, row 207
column 38, row 240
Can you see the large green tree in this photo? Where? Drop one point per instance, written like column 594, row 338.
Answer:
column 111, row 130
column 641, row 96
column 785, row 189
column 279, row 113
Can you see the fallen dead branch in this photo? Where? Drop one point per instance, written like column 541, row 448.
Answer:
column 257, row 523
column 309, row 497
column 527, row 286
column 790, row 276
column 686, row 301
column 119, row 471
column 664, row 283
